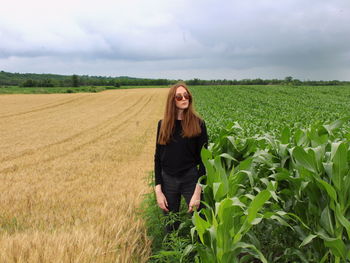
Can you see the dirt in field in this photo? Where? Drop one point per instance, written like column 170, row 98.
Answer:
column 73, row 169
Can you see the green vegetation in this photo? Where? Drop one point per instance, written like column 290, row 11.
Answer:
column 289, row 81
column 269, row 108
column 167, row 247
column 260, row 188
column 277, row 187
column 54, row 80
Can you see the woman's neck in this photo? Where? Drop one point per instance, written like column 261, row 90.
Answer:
column 179, row 114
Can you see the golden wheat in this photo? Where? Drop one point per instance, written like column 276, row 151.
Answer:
column 72, row 175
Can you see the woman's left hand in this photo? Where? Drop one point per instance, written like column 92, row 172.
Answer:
column 195, row 202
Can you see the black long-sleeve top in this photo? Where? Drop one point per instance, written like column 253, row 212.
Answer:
column 180, row 154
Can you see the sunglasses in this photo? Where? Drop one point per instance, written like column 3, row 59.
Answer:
column 179, row 96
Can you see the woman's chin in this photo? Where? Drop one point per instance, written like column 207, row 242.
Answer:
column 182, row 107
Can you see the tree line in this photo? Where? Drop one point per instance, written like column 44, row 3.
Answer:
column 54, row 80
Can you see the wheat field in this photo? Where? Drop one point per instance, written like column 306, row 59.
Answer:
column 73, row 169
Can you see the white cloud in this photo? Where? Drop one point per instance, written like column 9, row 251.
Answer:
column 155, row 38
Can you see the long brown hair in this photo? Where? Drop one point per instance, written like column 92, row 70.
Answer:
column 191, row 121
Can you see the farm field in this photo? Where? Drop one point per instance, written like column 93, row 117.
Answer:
column 277, row 186
column 267, row 108
column 73, row 171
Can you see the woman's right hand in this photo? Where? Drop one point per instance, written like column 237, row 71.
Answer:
column 161, row 200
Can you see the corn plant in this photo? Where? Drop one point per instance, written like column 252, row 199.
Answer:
column 232, row 209
column 320, row 158
column 299, row 179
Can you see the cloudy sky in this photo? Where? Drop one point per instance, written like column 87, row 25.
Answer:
column 178, row 39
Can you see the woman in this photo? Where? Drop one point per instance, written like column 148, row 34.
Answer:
column 180, row 137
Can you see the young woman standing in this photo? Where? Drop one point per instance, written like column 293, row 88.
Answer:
column 180, row 137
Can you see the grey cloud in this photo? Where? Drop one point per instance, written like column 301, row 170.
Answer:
column 206, row 36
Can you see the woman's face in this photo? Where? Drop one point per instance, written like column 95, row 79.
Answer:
column 181, row 93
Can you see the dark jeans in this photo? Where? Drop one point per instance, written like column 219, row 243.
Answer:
column 175, row 186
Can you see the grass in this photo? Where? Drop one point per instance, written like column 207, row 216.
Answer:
column 171, row 247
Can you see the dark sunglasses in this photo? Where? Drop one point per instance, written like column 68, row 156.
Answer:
column 179, row 96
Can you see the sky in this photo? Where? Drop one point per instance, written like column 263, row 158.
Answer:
column 178, row 39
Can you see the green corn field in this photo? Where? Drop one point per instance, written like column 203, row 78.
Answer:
column 277, row 187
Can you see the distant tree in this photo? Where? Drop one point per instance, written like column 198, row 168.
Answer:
column 296, row 82
column 75, row 81
column 46, row 83
column 110, row 82
column 288, row 79
column 29, row 83
column 257, row 81
column 194, row 81
column 47, row 80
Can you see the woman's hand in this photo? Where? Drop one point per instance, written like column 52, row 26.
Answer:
column 161, row 200
column 196, row 199
column 195, row 202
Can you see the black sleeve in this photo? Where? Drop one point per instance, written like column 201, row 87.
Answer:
column 157, row 163
column 203, row 141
